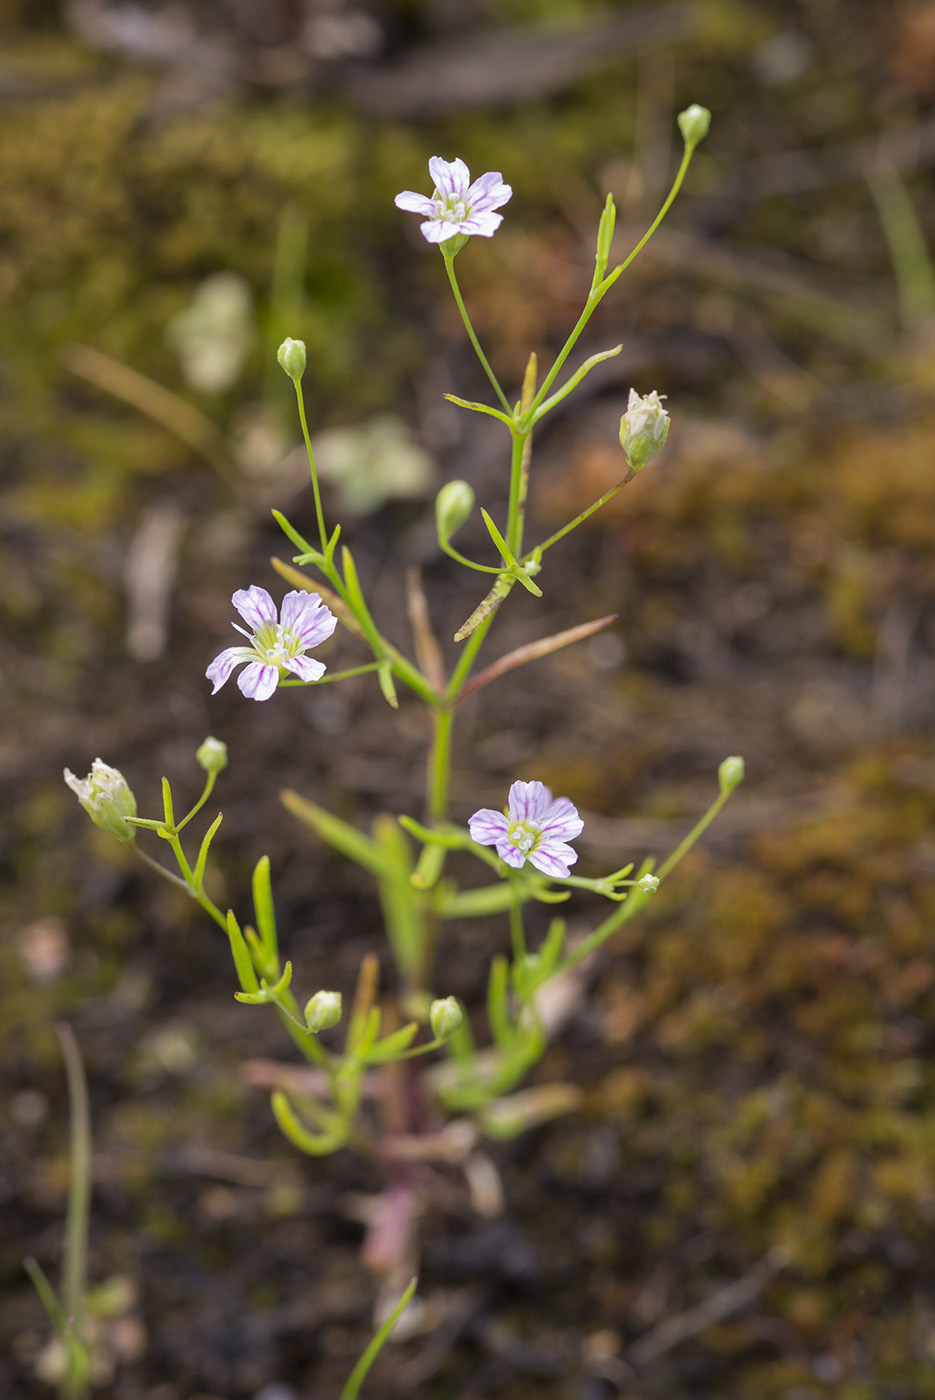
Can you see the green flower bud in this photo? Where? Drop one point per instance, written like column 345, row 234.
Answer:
column 730, row 774
column 323, row 1010
column 648, row 883
column 445, row 1017
column 106, row 797
column 643, row 429
column 694, row 124
column 605, row 235
column 453, row 505
column 291, row 355
column 212, row 755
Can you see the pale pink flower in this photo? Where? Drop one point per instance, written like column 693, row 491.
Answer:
column 456, row 206
column 534, row 828
column 277, row 643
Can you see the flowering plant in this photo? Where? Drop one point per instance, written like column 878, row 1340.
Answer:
column 525, row 846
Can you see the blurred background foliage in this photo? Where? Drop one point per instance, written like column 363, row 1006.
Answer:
column 745, row 1205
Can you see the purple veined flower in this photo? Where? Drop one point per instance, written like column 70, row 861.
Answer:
column 534, row 828
column 277, row 643
column 456, row 206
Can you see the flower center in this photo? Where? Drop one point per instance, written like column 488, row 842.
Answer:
column 275, row 644
column 453, row 210
column 523, row 837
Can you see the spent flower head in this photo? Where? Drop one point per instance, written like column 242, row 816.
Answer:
column 643, row 428
column 533, row 828
column 456, row 206
column 106, row 797
column 277, row 643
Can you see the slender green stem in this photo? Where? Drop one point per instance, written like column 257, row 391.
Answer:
column 187, row 885
column 698, row 830
column 517, row 931
column 467, row 658
column 589, row 308
column 519, row 470
column 75, row 1266
column 319, row 513
column 579, row 519
column 440, row 764
column 209, row 788
column 450, row 269
column 335, row 675
column 520, row 461
column 600, row 289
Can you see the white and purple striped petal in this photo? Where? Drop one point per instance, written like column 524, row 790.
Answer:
column 305, row 615
column 456, row 206
column 451, row 178
column 531, row 829
column 529, row 801
column 305, row 667
column 488, row 827
column 561, row 820
column 220, row 669
column 553, row 858
column 254, row 605
column 257, row 681
column 278, row 641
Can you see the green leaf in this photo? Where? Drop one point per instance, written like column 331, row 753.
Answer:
column 265, row 910
column 241, row 955
column 338, row 833
column 311, row 1143
column 356, row 1378
column 498, row 1010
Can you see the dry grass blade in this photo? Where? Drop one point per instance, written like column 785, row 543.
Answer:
column 534, row 650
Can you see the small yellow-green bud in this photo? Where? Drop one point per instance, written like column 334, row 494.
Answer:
column 291, row 355
column 106, row 797
column 605, row 235
column 730, row 774
column 212, row 755
column 445, row 1017
column 694, row 124
column 648, row 883
column 643, row 429
column 323, row 1010
column 453, row 505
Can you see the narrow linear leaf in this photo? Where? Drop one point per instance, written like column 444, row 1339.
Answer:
column 357, row 1376
column 338, row 833
column 264, row 908
column 241, row 955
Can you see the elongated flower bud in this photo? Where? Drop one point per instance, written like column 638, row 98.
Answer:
column 106, row 797
column 212, row 755
column 323, row 1010
column 643, row 429
column 605, row 235
column 453, row 505
column 730, row 774
column 694, row 124
column 291, row 356
column 445, row 1017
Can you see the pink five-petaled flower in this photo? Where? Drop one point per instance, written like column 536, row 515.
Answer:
column 534, row 828
column 457, row 206
column 277, row 644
